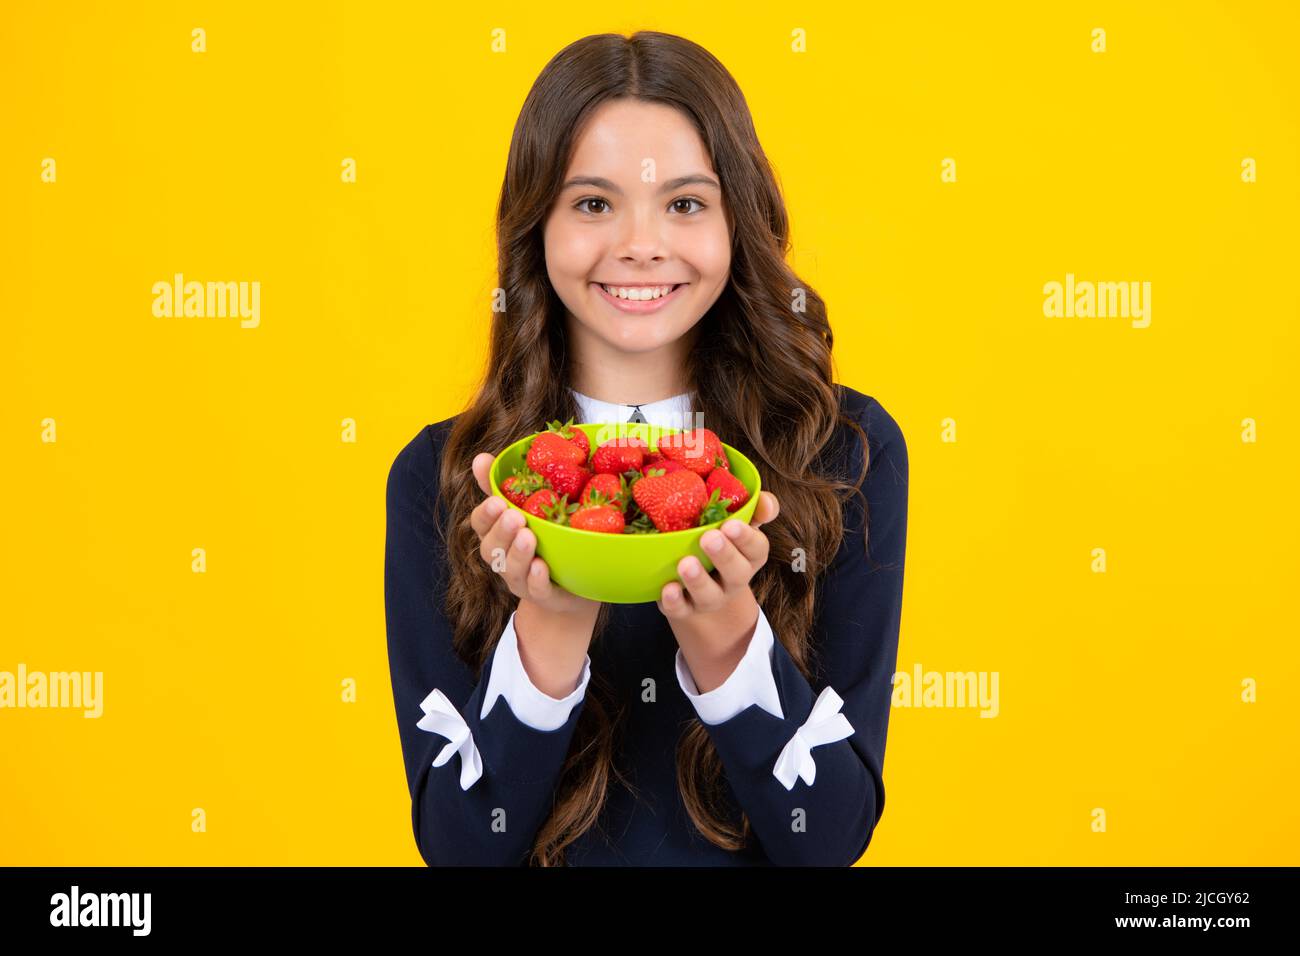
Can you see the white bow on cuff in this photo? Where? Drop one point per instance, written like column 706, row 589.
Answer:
column 441, row 718
column 824, row 725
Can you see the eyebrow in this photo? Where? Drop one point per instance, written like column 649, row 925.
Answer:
column 600, row 182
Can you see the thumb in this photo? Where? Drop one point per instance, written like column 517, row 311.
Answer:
column 482, row 466
column 767, row 509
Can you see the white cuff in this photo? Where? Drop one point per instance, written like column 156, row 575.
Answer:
column 510, row 680
column 752, row 682
column 442, row 718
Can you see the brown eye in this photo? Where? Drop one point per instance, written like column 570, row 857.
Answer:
column 583, row 207
column 687, row 199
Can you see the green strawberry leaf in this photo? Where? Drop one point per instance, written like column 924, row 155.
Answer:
column 641, row 524
column 560, row 510
column 564, row 429
column 715, row 509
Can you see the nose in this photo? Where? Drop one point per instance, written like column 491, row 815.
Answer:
column 642, row 236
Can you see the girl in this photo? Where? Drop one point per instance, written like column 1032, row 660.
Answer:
column 740, row 719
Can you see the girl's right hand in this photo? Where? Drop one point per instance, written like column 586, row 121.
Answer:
column 529, row 579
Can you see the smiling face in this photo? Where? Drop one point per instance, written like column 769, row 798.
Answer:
column 640, row 214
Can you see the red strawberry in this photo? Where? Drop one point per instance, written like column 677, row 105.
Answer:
column 732, row 490
column 567, row 479
column 619, row 455
column 549, row 448
column 546, row 505
column 539, row 500
column 520, row 485
column 665, row 465
column 699, row 449
column 612, row 488
column 598, row 517
column 569, row 433
column 672, row 501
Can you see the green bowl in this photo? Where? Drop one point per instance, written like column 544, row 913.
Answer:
column 619, row 568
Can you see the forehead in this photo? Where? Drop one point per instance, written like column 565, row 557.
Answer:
column 621, row 135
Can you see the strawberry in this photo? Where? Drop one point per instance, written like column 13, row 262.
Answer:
column 619, row 455
column 520, row 485
column 598, row 517
column 538, row 501
column 699, row 449
column 672, row 501
column 546, row 505
column 664, row 465
column 549, row 448
column 569, row 433
column 612, row 488
column 567, row 479
column 732, row 490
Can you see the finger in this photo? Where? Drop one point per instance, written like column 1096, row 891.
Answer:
column 482, row 466
column 519, row 558
column 734, row 568
column 500, row 536
column 486, row 513
column 705, row 593
column 673, row 602
column 766, row 509
column 539, row 583
column 748, row 540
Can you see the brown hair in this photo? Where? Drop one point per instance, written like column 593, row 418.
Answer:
column 762, row 378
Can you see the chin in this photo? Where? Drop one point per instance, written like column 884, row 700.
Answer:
column 635, row 343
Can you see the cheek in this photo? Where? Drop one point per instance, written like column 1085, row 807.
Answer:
column 571, row 253
column 709, row 254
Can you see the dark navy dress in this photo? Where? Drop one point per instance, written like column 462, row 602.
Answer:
column 495, row 821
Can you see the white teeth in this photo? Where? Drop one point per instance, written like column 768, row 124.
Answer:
column 639, row 294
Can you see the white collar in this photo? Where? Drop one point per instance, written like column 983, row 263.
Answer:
column 674, row 412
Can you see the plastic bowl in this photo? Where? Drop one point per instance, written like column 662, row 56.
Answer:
column 619, row 568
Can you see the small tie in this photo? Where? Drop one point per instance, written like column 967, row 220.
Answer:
column 636, row 415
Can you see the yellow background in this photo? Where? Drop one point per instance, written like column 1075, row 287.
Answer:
column 1119, row 691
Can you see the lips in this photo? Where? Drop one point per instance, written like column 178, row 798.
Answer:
column 638, row 306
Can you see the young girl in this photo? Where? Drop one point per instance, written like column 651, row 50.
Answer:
column 740, row 719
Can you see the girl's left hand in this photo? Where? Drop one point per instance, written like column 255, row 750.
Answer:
column 716, row 613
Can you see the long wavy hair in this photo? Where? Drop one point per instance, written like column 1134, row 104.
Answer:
column 762, row 377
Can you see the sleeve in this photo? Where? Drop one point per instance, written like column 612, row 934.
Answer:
column 808, row 771
column 481, row 781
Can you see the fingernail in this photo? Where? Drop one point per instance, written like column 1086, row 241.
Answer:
column 711, row 542
column 733, row 528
